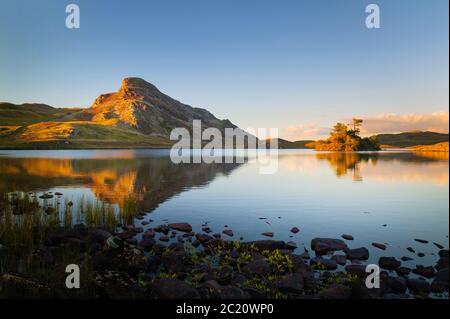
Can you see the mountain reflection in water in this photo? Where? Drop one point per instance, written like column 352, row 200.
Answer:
column 148, row 181
column 151, row 178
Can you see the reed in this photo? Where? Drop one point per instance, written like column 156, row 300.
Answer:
column 27, row 222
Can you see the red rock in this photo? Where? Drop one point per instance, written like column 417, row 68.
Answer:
column 184, row 227
column 379, row 246
column 268, row 234
column 228, row 232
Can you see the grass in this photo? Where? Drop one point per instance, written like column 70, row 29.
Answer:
column 409, row 139
column 30, row 113
column 25, row 222
column 76, row 134
column 25, row 225
column 39, row 126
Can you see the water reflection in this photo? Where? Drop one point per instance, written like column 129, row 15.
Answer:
column 150, row 178
column 148, row 181
column 402, row 166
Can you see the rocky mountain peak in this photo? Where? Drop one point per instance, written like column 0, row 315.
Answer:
column 140, row 105
column 134, row 87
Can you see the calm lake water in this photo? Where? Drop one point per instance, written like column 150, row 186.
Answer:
column 387, row 197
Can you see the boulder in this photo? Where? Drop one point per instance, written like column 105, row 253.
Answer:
column 337, row 291
column 225, row 274
column 125, row 259
column 164, row 238
column 228, row 232
column 419, row 286
column 100, row 235
column 147, row 243
column 357, row 253
column 169, row 288
column 403, row 271
column 389, row 263
column 397, row 284
column 162, row 229
column 327, row 264
column 379, row 246
column 149, row 234
column 324, row 245
column 184, row 227
column 112, row 284
column 340, row 259
column 173, row 261
column 256, row 267
column 442, row 263
column 290, row 283
column 267, row 234
column 203, row 238
column 440, row 282
column 427, row 272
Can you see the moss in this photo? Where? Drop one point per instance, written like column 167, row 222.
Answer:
column 262, row 284
column 279, row 263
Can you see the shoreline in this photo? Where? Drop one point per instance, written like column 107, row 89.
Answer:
column 171, row 261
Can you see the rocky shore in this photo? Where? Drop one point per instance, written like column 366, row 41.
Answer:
column 171, row 261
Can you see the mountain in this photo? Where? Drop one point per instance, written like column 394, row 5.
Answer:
column 137, row 115
column 409, row 139
column 285, row 144
column 140, row 105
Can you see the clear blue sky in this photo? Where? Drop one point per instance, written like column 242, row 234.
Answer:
column 259, row 63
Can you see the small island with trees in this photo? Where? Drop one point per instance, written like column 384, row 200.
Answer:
column 345, row 138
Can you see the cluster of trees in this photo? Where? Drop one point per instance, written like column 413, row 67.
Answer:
column 345, row 138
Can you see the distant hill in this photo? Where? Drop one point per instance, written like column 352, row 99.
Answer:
column 285, row 144
column 138, row 115
column 409, row 139
column 30, row 113
column 439, row 147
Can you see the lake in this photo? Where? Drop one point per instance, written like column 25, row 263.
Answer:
column 388, row 197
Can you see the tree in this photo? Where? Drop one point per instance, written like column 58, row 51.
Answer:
column 357, row 123
column 343, row 139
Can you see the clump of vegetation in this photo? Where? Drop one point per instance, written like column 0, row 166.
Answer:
column 26, row 227
column 264, row 286
column 345, row 138
column 279, row 263
column 336, row 278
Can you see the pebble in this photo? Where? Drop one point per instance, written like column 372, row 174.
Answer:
column 268, row 234
column 228, row 232
column 379, row 246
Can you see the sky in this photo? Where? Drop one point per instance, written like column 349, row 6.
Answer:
column 299, row 66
